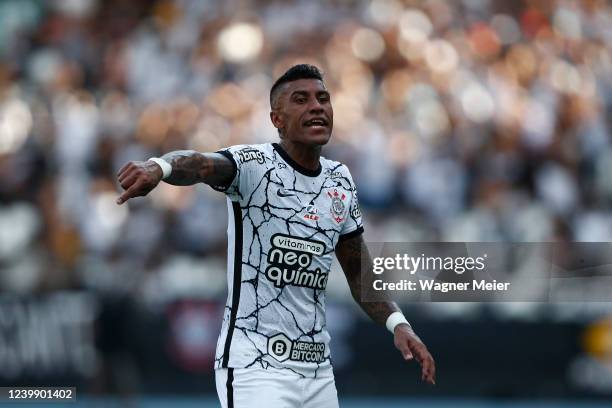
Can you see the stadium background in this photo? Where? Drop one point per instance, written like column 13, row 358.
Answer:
column 472, row 120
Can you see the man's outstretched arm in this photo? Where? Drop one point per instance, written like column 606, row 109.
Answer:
column 353, row 255
column 138, row 178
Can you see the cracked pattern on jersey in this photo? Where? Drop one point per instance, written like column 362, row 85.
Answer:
column 291, row 223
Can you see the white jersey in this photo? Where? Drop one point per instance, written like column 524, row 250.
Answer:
column 284, row 223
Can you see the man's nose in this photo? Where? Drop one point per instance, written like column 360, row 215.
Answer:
column 315, row 106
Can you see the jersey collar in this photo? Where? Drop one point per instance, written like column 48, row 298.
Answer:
column 295, row 165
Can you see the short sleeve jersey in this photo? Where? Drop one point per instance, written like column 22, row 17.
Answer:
column 284, row 223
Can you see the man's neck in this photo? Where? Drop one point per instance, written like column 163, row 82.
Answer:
column 306, row 156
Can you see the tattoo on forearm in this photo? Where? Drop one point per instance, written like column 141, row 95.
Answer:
column 190, row 167
column 353, row 255
column 186, row 165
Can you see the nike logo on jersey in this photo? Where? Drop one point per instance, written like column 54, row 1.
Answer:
column 283, row 193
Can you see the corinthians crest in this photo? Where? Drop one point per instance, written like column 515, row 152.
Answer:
column 337, row 205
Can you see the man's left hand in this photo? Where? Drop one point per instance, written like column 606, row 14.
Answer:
column 411, row 346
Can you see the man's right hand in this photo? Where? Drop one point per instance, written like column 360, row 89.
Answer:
column 138, row 178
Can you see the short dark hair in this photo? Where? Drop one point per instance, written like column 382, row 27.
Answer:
column 300, row 71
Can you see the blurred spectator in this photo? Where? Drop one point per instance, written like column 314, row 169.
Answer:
column 467, row 120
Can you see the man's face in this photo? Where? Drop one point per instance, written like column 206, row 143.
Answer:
column 303, row 112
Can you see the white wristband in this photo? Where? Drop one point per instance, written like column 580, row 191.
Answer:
column 394, row 319
column 165, row 166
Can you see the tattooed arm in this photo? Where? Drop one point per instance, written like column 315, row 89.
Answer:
column 353, row 255
column 138, row 178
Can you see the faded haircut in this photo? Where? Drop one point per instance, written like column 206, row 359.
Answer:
column 300, row 71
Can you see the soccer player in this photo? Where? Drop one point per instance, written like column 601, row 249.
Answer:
column 290, row 209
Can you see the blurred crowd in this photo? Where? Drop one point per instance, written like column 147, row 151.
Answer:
column 471, row 120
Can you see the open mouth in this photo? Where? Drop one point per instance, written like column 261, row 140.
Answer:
column 316, row 122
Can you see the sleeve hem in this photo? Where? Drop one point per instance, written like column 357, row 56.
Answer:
column 351, row 234
column 227, row 154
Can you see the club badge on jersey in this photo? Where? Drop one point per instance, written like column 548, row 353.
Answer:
column 337, row 205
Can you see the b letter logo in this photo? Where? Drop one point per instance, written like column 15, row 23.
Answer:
column 279, row 347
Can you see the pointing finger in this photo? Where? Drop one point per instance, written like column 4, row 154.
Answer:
column 129, row 193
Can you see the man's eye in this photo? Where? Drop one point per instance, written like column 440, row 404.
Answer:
column 300, row 100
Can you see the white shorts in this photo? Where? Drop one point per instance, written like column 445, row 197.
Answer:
column 274, row 388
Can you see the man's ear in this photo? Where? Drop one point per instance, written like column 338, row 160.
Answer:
column 276, row 119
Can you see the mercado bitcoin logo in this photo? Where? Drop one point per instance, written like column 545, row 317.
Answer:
column 282, row 348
